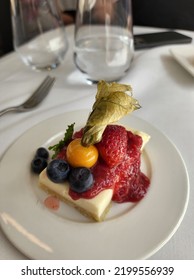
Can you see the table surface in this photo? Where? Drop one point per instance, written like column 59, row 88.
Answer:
column 164, row 89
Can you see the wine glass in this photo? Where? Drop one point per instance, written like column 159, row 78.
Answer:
column 104, row 44
column 38, row 33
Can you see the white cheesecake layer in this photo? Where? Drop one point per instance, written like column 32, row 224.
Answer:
column 94, row 207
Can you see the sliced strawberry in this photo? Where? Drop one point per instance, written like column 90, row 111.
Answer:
column 133, row 184
column 113, row 146
column 127, row 171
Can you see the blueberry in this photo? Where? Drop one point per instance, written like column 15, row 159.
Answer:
column 38, row 164
column 42, row 152
column 80, row 179
column 58, row 170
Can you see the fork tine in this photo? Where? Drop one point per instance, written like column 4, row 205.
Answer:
column 40, row 93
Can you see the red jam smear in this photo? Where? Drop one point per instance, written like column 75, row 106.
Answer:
column 52, row 202
column 129, row 184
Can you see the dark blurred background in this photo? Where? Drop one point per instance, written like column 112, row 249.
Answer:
column 173, row 14
column 5, row 27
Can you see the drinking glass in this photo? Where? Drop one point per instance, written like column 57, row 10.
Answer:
column 104, row 45
column 38, row 33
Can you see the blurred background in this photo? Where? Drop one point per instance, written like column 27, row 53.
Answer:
column 173, row 14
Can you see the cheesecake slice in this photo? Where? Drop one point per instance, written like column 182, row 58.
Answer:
column 96, row 207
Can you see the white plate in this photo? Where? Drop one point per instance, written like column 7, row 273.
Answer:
column 129, row 232
column 184, row 55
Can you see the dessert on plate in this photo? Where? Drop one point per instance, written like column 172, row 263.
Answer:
column 101, row 162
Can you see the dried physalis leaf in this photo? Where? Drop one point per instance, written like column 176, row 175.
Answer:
column 112, row 103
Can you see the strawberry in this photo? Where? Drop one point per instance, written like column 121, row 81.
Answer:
column 133, row 184
column 113, row 146
column 127, row 188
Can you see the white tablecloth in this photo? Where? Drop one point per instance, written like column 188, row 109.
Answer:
column 164, row 89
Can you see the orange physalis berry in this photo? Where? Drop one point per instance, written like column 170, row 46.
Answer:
column 80, row 156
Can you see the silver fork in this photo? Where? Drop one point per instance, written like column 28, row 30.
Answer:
column 35, row 99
